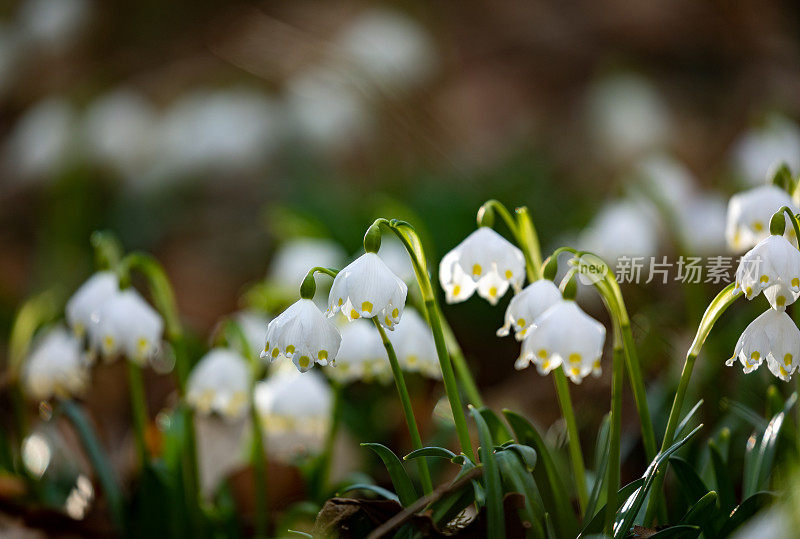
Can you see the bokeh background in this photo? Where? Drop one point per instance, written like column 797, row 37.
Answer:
column 211, row 133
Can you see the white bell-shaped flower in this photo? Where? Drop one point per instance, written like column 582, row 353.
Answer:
column 773, row 336
column 219, row 383
column 303, row 334
column 295, row 411
column 87, row 300
column 772, row 266
column 126, row 324
column 362, row 355
column 564, row 336
column 56, row 367
column 367, row 288
column 414, row 345
column 749, row 214
column 485, row 261
column 527, row 306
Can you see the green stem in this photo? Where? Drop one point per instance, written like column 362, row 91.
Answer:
column 612, row 477
column 463, row 373
column 408, row 236
column 408, row 410
column 639, row 392
column 793, row 221
column 323, row 474
column 138, row 409
column 576, row 456
column 97, row 457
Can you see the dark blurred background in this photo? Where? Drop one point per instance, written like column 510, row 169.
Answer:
column 211, row 132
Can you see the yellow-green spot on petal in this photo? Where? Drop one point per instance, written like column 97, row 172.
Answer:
column 509, row 274
column 395, row 312
column 141, row 345
column 546, row 365
column 758, row 226
column 521, row 322
column 781, row 301
column 764, row 279
column 795, row 282
column 412, row 360
column 290, row 349
column 353, row 313
column 574, row 358
column 322, row 355
column 388, row 321
column 542, row 353
column 787, row 359
column 304, row 361
column 755, row 356
column 596, row 364
column 783, row 371
column 456, row 290
column 574, row 371
column 275, row 352
column 748, row 290
column 340, row 302
column 108, row 343
column 477, row 270
column 366, row 307
column 493, row 291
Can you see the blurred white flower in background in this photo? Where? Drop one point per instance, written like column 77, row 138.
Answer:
column 396, row 257
column 362, row 355
column 622, row 228
column 53, row 25
column 627, row 117
column 84, row 305
column 414, row 345
column 221, row 449
column 254, row 327
column 126, row 325
column 208, row 131
column 120, row 130
column 702, row 222
column 294, row 410
column 326, row 110
column 760, row 150
column 293, row 259
column 750, row 212
column 390, row 49
column 666, row 179
column 41, row 142
column 220, row 383
column 56, row 367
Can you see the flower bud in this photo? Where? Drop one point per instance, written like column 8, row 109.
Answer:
column 372, row 239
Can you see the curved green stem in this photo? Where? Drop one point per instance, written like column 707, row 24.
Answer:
column 408, row 410
column 715, row 309
column 138, row 409
column 97, row 457
column 107, row 250
column 612, row 477
column 793, row 220
column 463, row 373
column 524, row 233
column 575, row 453
column 408, row 236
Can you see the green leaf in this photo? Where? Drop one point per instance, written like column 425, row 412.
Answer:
column 595, row 525
column 517, row 478
column 745, row 511
column 525, row 452
column 600, row 464
column 499, row 432
column 495, row 519
column 446, row 508
column 762, row 466
column 682, row 530
column 703, row 513
column 693, row 486
column 439, row 452
column 546, row 475
column 627, row 514
column 402, row 483
column 684, row 424
column 745, row 413
column 375, row 489
column 727, row 496
column 718, row 305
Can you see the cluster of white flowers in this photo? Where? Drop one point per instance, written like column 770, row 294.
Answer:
column 555, row 331
column 56, row 367
column 749, row 214
column 771, row 267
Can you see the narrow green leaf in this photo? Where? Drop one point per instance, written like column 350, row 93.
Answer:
column 495, row 519
column 380, row 491
column 627, row 514
column 745, row 511
column 406, row 492
column 693, row 486
column 499, row 432
column 727, row 496
column 766, row 452
column 439, row 452
column 718, row 305
column 595, row 525
column 445, row 509
column 684, row 424
column 516, row 478
column 744, row 412
column 703, row 513
column 682, row 530
column 600, row 464
column 546, row 475
column 525, row 452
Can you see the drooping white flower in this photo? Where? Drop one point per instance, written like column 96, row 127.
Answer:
column 485, row 261
column 772, row 266
column 85, row 303
column 56, row 367
column 221, row 449
column 220, row 382
column 773, row 336
column 414, row 345
column 367, row 288
column 362, row 355
column 564, row 336
column 295, row 411
column 527, row 306
column 303, row 334
column 760, row 150
column 701, row 221
column 749, row 214
column 621, row 229
column 126, row 324
column 294, row 258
